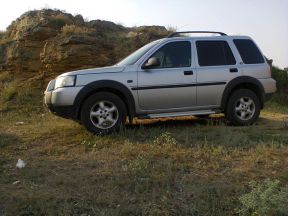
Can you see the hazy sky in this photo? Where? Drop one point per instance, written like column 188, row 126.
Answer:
column 266, row 21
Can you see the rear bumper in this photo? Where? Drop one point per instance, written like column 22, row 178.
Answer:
column 269, row 85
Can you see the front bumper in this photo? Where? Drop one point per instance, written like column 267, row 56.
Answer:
column 68, row 112
column 61, row 101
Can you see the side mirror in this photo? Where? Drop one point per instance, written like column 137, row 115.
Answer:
column 151, row 63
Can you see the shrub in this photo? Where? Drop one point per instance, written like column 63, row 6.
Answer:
column 73, row 29
column 2, row 34
column 5, row 77
column 281, row 77
column 9, row 92
column 280, row 98
column 266, row 198
column 165, row 138
column 60, row 20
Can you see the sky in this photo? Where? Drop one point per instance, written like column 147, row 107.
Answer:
column 266, row 21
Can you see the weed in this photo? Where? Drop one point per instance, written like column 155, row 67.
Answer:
column 265, row 198
column 285, row 123
column 60, row 20
column 165, row 138
column 5, row 77
column 73, row 29
column 7, row 139
column 281, row 77
column 138, row 167
column 9, row 91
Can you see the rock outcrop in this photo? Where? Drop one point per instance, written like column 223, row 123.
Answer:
column 48, row 42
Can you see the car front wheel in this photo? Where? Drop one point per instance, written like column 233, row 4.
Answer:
column 103, row 113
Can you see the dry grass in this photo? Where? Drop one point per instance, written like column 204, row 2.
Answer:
column 183, row 166
column 5, row 77
column 74, row 29
column 8, row 92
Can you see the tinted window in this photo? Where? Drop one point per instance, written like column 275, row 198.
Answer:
column 213, row 53
column 174, row 54
column 249, row 52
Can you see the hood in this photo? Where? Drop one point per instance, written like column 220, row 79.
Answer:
column 110, row 69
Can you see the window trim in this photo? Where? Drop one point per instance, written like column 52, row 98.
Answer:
column 174, row 41
column 217, row 40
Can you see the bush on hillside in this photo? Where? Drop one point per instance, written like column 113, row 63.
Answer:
column 281, row 77
column 73, row 29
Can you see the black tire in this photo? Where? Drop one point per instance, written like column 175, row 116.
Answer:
column 91, row 105
column 235, row 107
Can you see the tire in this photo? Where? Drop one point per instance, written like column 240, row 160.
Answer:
column 103, row 113
column 243, row 108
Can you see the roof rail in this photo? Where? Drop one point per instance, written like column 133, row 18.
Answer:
column 183, row 32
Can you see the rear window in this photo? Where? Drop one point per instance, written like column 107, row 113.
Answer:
column 214, row 53
column 249, row 52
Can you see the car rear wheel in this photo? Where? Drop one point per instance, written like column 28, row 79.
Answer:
column 103, row 113
column 243, row 107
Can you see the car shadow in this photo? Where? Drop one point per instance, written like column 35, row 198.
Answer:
column 177, row 122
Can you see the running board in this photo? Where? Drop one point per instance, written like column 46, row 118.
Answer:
column 177, row 114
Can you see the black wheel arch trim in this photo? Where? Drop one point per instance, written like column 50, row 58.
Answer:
column 238, row 81
column 109, row 86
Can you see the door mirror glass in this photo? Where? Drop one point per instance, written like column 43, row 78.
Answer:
column 151, row 63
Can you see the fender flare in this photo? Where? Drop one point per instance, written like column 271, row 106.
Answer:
column 106, row 85
column 242, row 80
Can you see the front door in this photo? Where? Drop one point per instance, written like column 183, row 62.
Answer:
column 171, row 85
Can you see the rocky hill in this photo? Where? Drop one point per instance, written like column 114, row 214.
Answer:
column 44, row 43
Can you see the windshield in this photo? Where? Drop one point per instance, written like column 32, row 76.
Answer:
column 135, row 56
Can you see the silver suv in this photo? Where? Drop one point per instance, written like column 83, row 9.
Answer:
column 174, row 76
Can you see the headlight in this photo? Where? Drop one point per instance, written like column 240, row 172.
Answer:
column 65, row 81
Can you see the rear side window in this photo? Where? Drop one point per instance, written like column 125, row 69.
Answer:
column 213, row 53
column 249, row 52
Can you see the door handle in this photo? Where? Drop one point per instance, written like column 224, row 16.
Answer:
column 233, row 70
column 188, row 72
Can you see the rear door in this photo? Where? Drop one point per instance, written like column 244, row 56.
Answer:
column 172, row 84
column 216, row 66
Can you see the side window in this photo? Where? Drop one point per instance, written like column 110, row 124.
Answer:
column 249, row 52
column 214, row 53
column 174, row 55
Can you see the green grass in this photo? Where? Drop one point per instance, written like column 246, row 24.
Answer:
column 182, row 166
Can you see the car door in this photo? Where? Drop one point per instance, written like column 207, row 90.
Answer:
column 216, row 66
column 171, row 85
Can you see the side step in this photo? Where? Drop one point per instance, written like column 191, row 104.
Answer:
column 177, row 114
